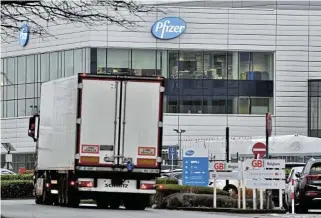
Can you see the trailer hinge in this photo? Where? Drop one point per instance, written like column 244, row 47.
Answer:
column 80, row 86
column 79, row 121
column 161, row 89
column 160, row 124
column 77, row 156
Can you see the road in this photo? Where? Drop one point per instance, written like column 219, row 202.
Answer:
column 28, row 209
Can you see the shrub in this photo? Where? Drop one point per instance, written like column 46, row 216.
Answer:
column 16, row 189
column 164, row 190
column 17, row 177
column 166, row 181
column 201, row 200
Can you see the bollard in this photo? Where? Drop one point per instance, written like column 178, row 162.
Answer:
column 292, row 196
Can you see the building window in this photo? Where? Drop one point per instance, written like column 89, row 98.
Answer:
column 118, row 61
column 256, row 66
column 314, row 111
column 145, row 63
column 69, row 63
column 45, row 70
column 53, row 65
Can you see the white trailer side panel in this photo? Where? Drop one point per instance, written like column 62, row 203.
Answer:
column 58, row 117
column 141, row 114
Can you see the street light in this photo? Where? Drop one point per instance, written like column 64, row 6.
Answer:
column 180, row 132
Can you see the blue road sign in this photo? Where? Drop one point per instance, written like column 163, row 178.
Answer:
column 195, row 167
column 172, row 153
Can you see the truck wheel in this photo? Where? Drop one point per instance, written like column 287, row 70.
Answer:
column 115, row 203
column 46, row 196
column 136, row 204
column 73, row 201
column 102, row 203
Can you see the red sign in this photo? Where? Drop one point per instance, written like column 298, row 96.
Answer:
column 259, row 149
column 219, row 165
column 268, row 121
column 257, row 163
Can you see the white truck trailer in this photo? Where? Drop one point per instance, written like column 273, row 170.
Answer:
column 98, row 137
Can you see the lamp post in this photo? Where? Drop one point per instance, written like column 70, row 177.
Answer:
column 180, row 132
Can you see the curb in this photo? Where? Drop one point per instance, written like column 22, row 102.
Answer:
column 229, row 210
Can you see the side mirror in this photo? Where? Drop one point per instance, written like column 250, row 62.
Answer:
column 298, row 174
column 33, row 128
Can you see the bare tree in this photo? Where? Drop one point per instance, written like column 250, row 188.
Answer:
column 15, row 13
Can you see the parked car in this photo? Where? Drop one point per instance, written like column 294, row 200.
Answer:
column 6, row 172
column 288, row 186
column 288, row 168
column 309, row 186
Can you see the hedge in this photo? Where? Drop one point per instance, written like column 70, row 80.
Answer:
column 166, row 181
column 17, row 177
column 16, row 189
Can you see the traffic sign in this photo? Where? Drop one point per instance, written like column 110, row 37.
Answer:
column 265, row 184
column 195, row 167
column 274, row 163
column 226, row 175
column 223, row 165
column 265, row 163
column 268, row 121
column 253, row 164
column 259, row 149
column 172, row 153
column 264, row 174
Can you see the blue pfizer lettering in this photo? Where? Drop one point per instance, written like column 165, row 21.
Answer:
column 189, row 153
column 168, row 28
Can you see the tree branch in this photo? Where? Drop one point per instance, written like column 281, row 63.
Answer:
column 88, row 12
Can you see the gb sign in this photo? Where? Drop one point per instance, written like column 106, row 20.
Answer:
column 168, row 28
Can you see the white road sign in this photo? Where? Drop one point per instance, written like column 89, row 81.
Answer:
column 263, row 163
column 272, row 163
column 226, row 175
column 264, row 174
column 222, row 165
column 265, row 184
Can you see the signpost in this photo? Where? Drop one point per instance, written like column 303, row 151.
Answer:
column 268, row 132
column 259, row 149
column 172, row 155
column 224, row 170
column 195, row 167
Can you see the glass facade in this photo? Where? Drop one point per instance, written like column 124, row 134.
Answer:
column 314, row 111
column 206, row 82
column 21, row 78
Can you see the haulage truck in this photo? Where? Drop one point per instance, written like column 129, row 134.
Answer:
column 98, row 137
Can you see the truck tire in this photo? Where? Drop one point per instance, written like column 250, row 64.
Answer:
column 115, row 202
column 102, row 203
column 137, row 203
column 73, row 201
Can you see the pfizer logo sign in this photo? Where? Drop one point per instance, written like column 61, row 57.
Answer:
column 24, row 35
column 189, row 153
column 168, row 28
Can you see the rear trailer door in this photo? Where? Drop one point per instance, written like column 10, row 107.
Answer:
column 99, row 101
column 142, row 103
column 120, row 122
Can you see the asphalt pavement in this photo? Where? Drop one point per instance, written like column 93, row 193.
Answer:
column 28, row 209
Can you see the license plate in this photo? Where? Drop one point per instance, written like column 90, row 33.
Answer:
column 106, row 183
